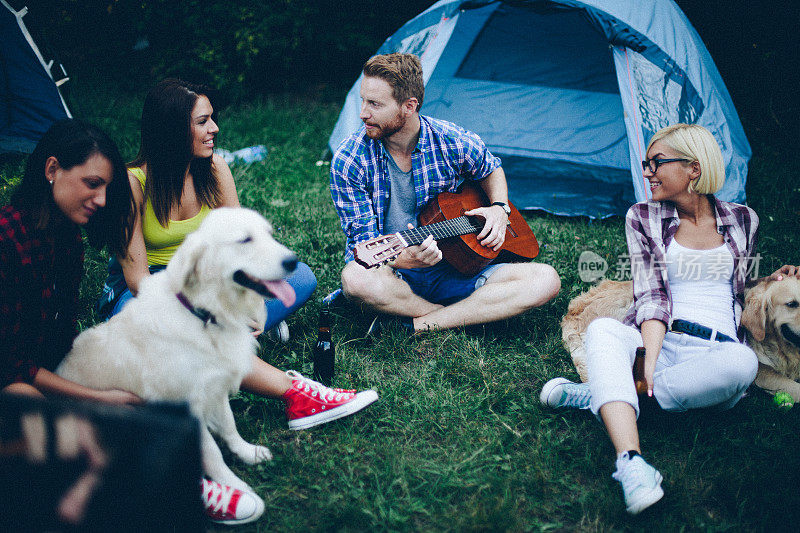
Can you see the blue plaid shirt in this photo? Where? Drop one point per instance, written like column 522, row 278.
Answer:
column 444, row 157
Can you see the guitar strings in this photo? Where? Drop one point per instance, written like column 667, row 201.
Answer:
column 442, row 230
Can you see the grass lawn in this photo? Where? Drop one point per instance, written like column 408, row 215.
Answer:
column 458, row 440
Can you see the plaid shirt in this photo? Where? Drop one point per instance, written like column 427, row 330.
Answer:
column 650, row 228
column 40, row 273
column 445, row 155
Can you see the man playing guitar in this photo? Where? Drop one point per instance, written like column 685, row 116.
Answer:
column 381, row 178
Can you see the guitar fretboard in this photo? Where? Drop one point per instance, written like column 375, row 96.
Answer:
column 442, row 230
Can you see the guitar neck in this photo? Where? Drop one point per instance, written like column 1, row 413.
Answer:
column 442, row 230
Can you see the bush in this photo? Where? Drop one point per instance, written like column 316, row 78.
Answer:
column 244, row 48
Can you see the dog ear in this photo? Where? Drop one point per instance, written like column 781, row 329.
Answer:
column 754, row 315
column 184, row 265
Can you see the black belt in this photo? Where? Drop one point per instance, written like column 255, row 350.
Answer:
column 696, row 330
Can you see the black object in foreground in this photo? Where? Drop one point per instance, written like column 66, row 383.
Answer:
column 149, row 477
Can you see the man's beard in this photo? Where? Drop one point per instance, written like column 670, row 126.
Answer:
column 387, row 130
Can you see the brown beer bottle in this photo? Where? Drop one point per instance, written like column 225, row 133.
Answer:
column 323, row 351
column 638, row 372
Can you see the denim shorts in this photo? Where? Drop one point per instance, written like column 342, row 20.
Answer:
column 302, row 280
column 442, row 284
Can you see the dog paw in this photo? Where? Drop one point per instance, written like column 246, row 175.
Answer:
column 252, row 454
column 262, row 454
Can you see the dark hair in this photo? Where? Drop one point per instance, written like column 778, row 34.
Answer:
column 402, row 71
column 72, row 142
column 166, row 148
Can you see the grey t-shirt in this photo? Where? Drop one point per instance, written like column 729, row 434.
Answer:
column 402, row 200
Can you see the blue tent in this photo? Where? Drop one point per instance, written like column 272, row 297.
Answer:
column 568, row 93
column 29, row 97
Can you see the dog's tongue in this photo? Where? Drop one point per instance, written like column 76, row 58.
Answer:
column 282, row 291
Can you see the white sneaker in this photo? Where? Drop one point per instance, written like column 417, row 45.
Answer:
column 561, row 392
column 225, row 505
column 641, row 483
column 279, row 333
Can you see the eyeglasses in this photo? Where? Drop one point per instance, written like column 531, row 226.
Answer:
column 653, row 164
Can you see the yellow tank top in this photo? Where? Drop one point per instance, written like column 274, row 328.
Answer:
column 161, row 242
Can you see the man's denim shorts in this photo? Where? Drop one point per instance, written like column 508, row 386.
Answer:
column 442, row 284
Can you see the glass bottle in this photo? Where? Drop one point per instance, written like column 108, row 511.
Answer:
column 323, row 351
column 638, row 372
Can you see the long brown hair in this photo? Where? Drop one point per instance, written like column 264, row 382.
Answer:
column 166, row 148
column 72, row 142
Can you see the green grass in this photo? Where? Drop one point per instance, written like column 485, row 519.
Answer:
column 458, row 440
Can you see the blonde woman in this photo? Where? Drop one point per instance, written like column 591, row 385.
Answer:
column 690, row 253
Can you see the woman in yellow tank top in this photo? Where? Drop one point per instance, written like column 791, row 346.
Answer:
column 176, row 180
column 161, row 242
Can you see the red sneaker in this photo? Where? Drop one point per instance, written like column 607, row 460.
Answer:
column 226, row 505
column 309, row 403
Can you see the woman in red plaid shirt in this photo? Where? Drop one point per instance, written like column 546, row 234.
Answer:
column 74, row 178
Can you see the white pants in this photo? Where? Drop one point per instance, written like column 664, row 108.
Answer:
column 690, row 372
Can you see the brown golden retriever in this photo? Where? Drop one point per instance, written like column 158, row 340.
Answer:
column 771, row 318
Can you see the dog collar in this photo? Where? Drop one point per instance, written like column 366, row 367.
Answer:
column 203, row 314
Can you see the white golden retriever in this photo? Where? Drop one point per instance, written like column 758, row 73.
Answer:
column 187, row 336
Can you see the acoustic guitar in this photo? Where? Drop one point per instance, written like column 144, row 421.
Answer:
column 455, row 234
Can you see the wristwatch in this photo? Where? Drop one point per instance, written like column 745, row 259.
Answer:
column 504, row 206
